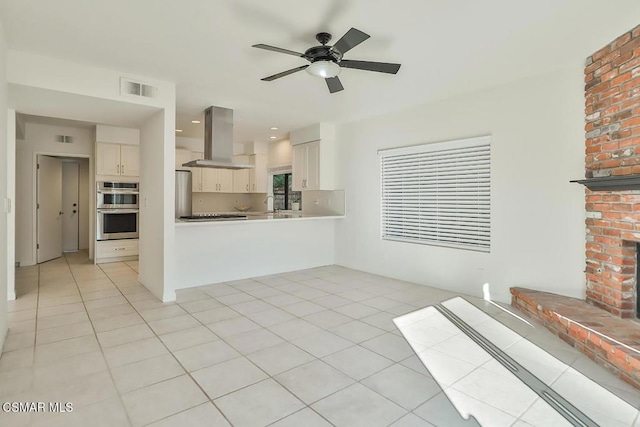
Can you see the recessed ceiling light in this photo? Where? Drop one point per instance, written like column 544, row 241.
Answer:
column 274, row 128
column 273, row 137
column 178, row 130
column 195, row 121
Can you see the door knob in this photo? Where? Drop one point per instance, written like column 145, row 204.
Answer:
column 75, row 211
column 75, row 204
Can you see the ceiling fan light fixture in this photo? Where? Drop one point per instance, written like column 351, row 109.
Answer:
column 324, row 69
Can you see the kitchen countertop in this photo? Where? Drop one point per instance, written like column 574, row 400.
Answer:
column 259, row 217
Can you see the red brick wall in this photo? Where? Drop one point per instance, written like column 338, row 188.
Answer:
column 612, row 108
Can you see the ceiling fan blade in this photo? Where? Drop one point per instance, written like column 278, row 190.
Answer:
column 380, row 67
column 284, row 73
column 334, row 84
column 278, row 49
column 350, row 40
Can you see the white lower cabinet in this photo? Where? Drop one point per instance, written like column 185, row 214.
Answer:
column 116, row 250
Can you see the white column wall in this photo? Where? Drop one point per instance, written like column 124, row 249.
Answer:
column 6, row 220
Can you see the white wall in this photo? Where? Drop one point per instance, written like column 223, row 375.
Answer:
column 156, row 243
column 5, row 219
column 11, row 196
column 40, row 139
column 537, row 231
column 45, row 72
column 280, row 153
column 216, row 252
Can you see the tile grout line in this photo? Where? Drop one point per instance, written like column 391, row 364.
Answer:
column 170, row 352
column 98, row 342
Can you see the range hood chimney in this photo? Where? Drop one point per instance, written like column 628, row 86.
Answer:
column 218, row 141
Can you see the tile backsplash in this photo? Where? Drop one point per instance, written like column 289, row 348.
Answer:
column 226, row 202
column 323, row 202
column 313, row 202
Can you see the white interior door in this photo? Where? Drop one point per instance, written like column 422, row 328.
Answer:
column 70, row 202
column 49, row 208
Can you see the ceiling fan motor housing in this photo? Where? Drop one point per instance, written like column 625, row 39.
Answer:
column 322, row 53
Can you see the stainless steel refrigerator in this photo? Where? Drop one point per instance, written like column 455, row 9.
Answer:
column 183, row 193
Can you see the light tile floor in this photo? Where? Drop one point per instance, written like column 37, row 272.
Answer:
column 479, row 385
column 309, row 348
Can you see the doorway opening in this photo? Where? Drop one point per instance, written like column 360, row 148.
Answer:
column 62, row 206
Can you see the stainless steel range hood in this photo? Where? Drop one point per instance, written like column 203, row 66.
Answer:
column 218, row 141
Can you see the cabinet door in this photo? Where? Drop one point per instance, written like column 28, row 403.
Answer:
column 299, row 166
column 241, row 176
column 209, row 180
column 129, row 160
column 196, row 173
column 313, row 166
column 225, row 180
column 259, row 176
column 107, row 159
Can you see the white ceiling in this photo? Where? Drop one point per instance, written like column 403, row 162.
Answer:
column 445, row 47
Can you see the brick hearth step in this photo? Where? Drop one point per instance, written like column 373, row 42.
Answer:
column 608, row 340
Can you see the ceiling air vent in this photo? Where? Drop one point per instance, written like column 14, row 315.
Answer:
column 132, row 87
column 64, row 139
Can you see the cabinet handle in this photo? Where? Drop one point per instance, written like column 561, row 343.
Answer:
column 122, row 169
column 118, row 168
column 247, row 187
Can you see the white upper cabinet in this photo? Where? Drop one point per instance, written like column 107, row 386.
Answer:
column 259, row 176
column 217, row 180
column 225, row 180
column 306, row 166
column 107, row 159
column 242, row 177
column 129, row 160
column 205, row 180
column 299, row 166
column 117, row 159
column 314, row 158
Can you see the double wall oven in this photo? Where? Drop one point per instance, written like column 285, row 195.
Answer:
column 118, row 210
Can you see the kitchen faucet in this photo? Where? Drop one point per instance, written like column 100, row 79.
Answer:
column 266, row 202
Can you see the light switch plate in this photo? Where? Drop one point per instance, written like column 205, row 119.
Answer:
column 7, row 205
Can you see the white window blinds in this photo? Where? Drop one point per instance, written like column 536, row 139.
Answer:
column 438, row 194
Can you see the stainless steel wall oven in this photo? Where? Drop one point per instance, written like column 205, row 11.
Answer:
column 117, row 210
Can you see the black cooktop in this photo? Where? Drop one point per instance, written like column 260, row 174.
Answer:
column 213, row 217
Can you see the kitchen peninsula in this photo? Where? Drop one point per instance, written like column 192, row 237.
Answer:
column 218, row 251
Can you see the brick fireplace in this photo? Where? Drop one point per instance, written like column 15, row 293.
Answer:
column 612, row 107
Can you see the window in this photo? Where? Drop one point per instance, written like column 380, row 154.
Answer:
column 283, row 195
column 438, row 194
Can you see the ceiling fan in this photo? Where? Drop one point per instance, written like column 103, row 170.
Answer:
column 326, row 61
